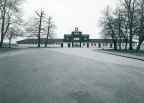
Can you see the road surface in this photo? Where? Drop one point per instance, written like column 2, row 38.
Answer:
column 69, row 75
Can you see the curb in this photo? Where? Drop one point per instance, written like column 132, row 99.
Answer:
column 120, row 55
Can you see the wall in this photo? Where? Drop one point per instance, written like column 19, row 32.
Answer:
column 142, row 46
column 106, row 46
column 36, row 45
column 65, row 45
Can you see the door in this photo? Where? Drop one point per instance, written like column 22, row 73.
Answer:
column 99, row 45
column 87, row 45
column 76, row 44
column 61, row 45
column 110, row 45
column 69, row 45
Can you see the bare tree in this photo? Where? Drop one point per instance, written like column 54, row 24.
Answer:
column 13, row 32
column 130, row 6
column 109, row 26
column 35, row 26
column 40, row 15
column 124, row 33
column 122, row 26
column 49, row 29
column 31, row 27
column 119, row 24
column 139, row 28
column 8, row 7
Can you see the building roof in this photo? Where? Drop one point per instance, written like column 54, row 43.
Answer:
column 69, row 35
column 106, row 41
column 43, row 40
column 101, row 40
column 85, row 35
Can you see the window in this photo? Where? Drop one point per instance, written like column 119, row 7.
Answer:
column 83, row 44
column 94, row 44
column 76, row 38
column 76, row 33
column 104, row 44
column 85, row 38
column 91, row 44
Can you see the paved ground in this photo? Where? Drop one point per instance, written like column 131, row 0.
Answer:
column 133, row 54
column 91, row 53
column 65, row 75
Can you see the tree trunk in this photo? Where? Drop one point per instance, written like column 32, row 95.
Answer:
column 47, row 37
column 120, row 43
column 49, row 23
column 2, row 32
column 9, row 43
column 119, row 31
column 138, row 47
column 131, row 36
column 3, row 24
column 46, row 41
column 1, row 43
column 115, row 45
column 39, row 39
column 126, row 44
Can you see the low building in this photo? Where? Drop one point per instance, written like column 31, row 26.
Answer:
column 74, row 40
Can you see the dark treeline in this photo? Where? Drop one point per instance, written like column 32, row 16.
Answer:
column 124, row 22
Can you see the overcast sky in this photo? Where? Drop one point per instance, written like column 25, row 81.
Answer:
column 67, row 14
